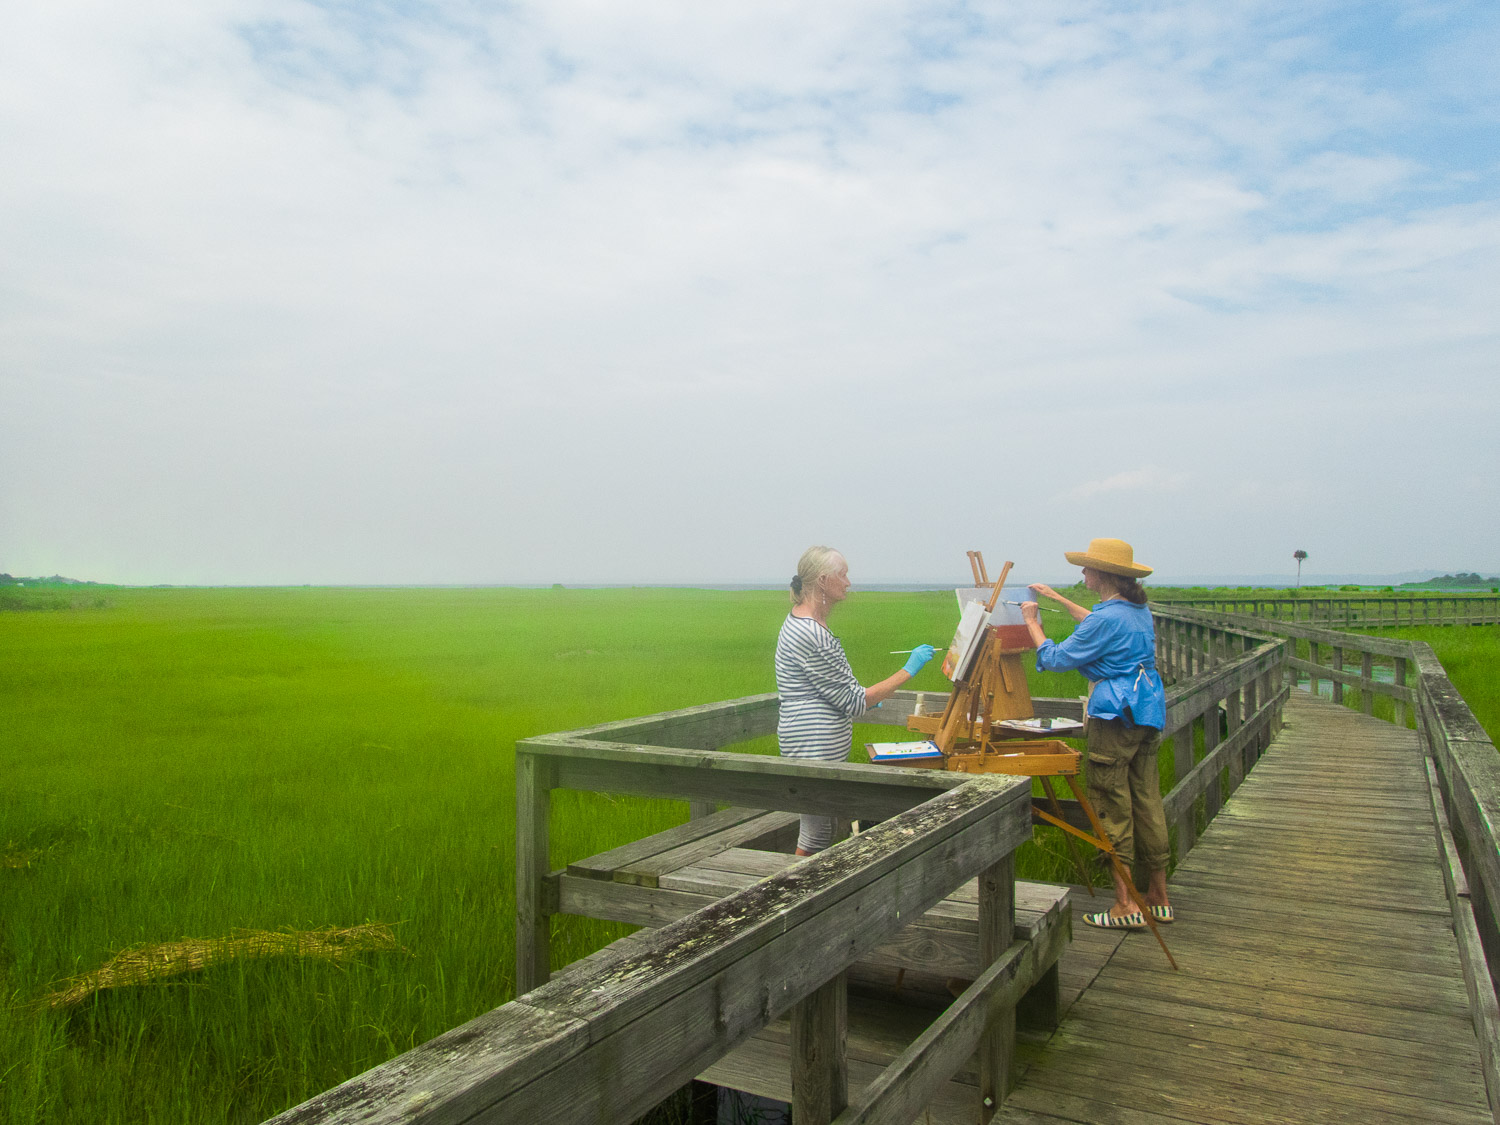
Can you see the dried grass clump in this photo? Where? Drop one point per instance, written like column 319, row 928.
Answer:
column 17, row 859
column 149, row 963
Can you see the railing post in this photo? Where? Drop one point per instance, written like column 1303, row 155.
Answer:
column 997, row 922
column 1367, row 672
column 819, row 1049
column 1240, row 762
column 1269, row 688
column 1183, row 754
column 1315, row 658
column 1250, row 705
column 1338, row 684
column 1398, row 677
column 533, row 925
column 1213, row 794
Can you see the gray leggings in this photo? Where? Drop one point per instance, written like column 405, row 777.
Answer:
column 815, row 834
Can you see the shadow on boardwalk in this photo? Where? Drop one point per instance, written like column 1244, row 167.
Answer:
column 1320, row 977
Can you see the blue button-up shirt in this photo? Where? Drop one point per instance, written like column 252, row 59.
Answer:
column 1115, row 647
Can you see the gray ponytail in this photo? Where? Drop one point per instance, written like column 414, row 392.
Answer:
column 814, row 563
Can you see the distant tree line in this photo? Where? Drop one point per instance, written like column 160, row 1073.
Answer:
column 1459, row 579
column 54, row 580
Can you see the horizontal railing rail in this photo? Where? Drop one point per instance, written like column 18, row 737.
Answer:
column 1225, row 699
column 604, row 1042
column 1354, row 611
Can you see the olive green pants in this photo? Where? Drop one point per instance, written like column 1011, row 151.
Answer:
column 1125, row 791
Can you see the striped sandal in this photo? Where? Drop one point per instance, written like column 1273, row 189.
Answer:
column 1162, row 914
column 1104, row 920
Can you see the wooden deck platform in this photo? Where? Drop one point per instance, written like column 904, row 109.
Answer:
column 1320, row 975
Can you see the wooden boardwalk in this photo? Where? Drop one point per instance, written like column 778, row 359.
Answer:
column 1320, row 976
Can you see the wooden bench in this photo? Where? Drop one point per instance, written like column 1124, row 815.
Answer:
column 894, row 993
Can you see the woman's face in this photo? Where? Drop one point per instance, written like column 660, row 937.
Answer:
column 835, row 584
column 1099, row 582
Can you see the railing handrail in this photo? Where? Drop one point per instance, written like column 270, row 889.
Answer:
column 604, row 1041
column 1465, row 779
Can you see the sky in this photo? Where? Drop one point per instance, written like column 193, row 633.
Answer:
column 666, row 292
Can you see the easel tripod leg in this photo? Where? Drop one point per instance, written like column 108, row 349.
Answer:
column 1107, row 846
column 1067, row 839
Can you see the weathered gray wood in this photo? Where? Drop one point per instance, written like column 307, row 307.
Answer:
column 939, row 940
column 819, row 1045
column 1233, row 719
column 604, row 865
column 627, row 902
column 450, row 1079
column 651, row 1020
column 729, row 984
column 648, row 870
column 1213, row 793
column 1471, row 609
column 705, row 727
column 839, row 789
column 533, row 930
column 997, row 1043
column 1364, row 683
column 911, row 1079
column 1206, row 772
column 1483, row 1008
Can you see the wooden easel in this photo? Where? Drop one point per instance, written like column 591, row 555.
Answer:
column 994, row 689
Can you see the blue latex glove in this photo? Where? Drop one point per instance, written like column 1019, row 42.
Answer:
column 918, row 659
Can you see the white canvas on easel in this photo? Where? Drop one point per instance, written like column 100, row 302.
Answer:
column 965, row 640
column 1005, row 612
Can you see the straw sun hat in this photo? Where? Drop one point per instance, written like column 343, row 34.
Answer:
column 1113, row 556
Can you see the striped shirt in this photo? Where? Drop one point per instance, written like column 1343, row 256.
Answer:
column 819, row 695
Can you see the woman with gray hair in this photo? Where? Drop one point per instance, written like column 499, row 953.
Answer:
column 820, row 698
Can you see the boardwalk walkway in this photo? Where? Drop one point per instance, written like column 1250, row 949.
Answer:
column 1320, row 977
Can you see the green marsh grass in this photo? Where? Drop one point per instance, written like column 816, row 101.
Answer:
column 1470, row 654
column 185, row 763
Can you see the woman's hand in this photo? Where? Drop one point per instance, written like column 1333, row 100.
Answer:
column 1032, row 615
column 876, row 694
column 1075, row 611
column 918, row 659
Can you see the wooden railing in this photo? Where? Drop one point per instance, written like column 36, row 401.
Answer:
column 1353, row 611
column 605, row 1039
column 1463, row 780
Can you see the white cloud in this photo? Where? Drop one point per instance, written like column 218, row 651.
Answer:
column 539, row 258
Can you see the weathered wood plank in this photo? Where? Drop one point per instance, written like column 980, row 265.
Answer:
column 533, row 931
column 839, row 789
column 914, row 1077
column 694, row 988
column 603, row 865
column 1480, row 987
column 997, row 1039
column 819, row 1053
column 1206, row 1089
column 648, row 870
column 447, row 1080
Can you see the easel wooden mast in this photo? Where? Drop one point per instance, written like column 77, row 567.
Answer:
column 992, row 690
column 976, row 564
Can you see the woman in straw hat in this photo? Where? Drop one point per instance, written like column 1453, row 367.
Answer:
column 820, row 697
column 1114, row 645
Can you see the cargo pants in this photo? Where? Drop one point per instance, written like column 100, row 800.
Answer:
column 1125, row 790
